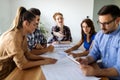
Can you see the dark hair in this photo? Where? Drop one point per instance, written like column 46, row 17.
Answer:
column 35, row 11
column 90, row 24
column 57, row 13
column 113, row 10
column 22, row 15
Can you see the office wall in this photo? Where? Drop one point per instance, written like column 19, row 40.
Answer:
column 74, row 12
column 97, row 5
column 117, row 2
column 5, row 14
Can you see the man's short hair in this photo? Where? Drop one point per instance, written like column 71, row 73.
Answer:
column 113, row 10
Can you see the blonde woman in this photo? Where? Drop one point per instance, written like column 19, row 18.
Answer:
column 60, row 32
column 13, row 45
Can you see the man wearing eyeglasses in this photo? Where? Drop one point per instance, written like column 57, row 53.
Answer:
column 106, row 46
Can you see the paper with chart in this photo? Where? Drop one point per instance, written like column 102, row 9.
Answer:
column 64, row 69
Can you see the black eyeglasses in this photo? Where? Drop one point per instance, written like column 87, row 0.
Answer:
column 106, row 23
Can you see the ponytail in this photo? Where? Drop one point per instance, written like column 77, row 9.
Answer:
column 22, row 15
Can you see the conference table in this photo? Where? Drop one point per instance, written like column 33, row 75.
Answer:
column 31, row 74
column 38, row 73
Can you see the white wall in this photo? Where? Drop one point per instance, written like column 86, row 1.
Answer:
column 117, row 2
column 5, row 14
column 97, row 5
column 74, row 11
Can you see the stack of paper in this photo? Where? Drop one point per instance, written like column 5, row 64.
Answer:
column 64, row 69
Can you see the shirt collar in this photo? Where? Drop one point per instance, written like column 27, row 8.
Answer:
column 116, row 31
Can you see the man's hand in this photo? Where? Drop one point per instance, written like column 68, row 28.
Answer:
column 83, row 61
column 90, row 70
column 38, row 46
column 50, row 48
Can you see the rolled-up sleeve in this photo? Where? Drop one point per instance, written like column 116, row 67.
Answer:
column 94, row 51
column 117, row 66
column 15, row 47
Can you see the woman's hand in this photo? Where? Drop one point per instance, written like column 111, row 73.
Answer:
column 67, row 51
column 50, row 61
column 60, row 34
column 75, row 55
column 55, row 42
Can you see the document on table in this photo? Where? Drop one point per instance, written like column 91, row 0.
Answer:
column 64, row 69
column 62, row 46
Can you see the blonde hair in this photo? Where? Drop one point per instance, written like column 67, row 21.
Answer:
column 57, row 13
column 22, row 15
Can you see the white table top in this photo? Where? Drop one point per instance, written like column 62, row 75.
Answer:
column 65, row 68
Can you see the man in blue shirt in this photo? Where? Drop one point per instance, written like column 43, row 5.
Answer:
column 37, row 43
column 106, row 46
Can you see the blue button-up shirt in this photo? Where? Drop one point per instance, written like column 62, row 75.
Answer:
column 107, row 48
